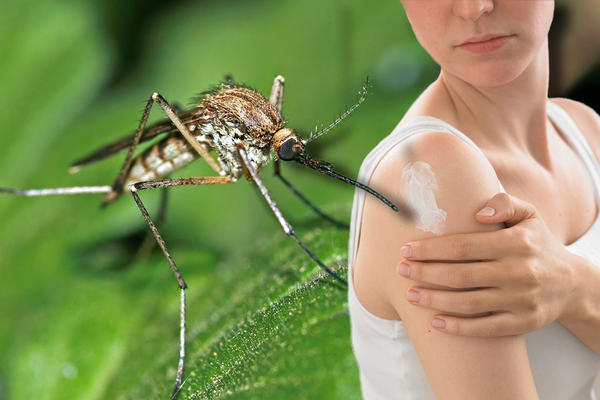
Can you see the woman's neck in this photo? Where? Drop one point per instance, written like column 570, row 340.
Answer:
column 510, row 117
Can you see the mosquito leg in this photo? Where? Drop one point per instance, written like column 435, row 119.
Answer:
column 287, row 228
column 180, row 281
column 306, row 201
column 118, row 182
column 276, row 98
column 165, row 183
column 57, row 191
column 148, row 243
column 195, row 181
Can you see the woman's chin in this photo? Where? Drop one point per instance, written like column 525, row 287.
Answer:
column 492, row 75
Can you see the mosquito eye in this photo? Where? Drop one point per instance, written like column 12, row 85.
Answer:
column 286, row 150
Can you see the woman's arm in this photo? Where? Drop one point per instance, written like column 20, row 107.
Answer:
column 582, row 318
column 457, row 367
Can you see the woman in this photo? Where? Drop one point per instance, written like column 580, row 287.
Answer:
column 484, row 126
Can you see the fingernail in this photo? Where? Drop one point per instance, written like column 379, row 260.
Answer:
column 438, row 323
column 413, row 296
column 404, row 269
column 487, row 212
column 406, row 251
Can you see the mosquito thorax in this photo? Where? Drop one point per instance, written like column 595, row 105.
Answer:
column 241, row 115
column 287, row 144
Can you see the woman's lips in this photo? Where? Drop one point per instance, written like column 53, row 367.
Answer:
column 486, row 46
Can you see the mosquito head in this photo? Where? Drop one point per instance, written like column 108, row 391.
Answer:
column 287, row 145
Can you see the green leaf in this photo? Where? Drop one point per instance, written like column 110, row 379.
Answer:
column 257, row 327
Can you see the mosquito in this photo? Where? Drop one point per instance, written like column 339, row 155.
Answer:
column 244, row 129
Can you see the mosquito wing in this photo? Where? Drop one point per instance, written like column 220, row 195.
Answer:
column 187, row 117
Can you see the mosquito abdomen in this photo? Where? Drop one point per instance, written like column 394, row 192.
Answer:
column 165, row 157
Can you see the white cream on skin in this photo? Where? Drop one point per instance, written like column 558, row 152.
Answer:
column 418, row 189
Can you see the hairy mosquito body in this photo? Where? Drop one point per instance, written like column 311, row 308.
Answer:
column 244, row 130
column 224, row 118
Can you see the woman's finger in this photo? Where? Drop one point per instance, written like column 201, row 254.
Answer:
column 497, row 324
column 456, row 275
column 506, row 208
column 465, row 303
column 463, row 246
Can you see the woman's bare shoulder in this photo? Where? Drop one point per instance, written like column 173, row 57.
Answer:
column 586, row 118
column 462, row 181
column 455, row 162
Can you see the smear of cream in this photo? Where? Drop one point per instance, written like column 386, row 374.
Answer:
column 418, row 189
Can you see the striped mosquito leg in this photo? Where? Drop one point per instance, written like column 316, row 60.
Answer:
column 306, row 201
column 181, row 346
column 57, row 191
column 118, row 182
column 287, row 228
column 165, row 183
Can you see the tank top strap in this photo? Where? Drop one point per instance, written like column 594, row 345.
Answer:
column 573, row 135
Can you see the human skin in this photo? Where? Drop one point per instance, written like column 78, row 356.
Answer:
column 503, row 93
column 522, row 162
column 500, row 100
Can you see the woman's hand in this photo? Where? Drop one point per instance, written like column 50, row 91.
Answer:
column 522, row 275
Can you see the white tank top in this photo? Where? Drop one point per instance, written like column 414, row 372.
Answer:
column 562, row 366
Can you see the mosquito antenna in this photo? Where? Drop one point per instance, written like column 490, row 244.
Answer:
column 344, row 115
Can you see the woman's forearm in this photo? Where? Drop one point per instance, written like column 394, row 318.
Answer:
column 582, row 314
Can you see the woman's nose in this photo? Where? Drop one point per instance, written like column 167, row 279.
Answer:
column 472, row 9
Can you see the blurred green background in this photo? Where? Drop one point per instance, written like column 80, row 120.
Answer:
column 79, row 319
